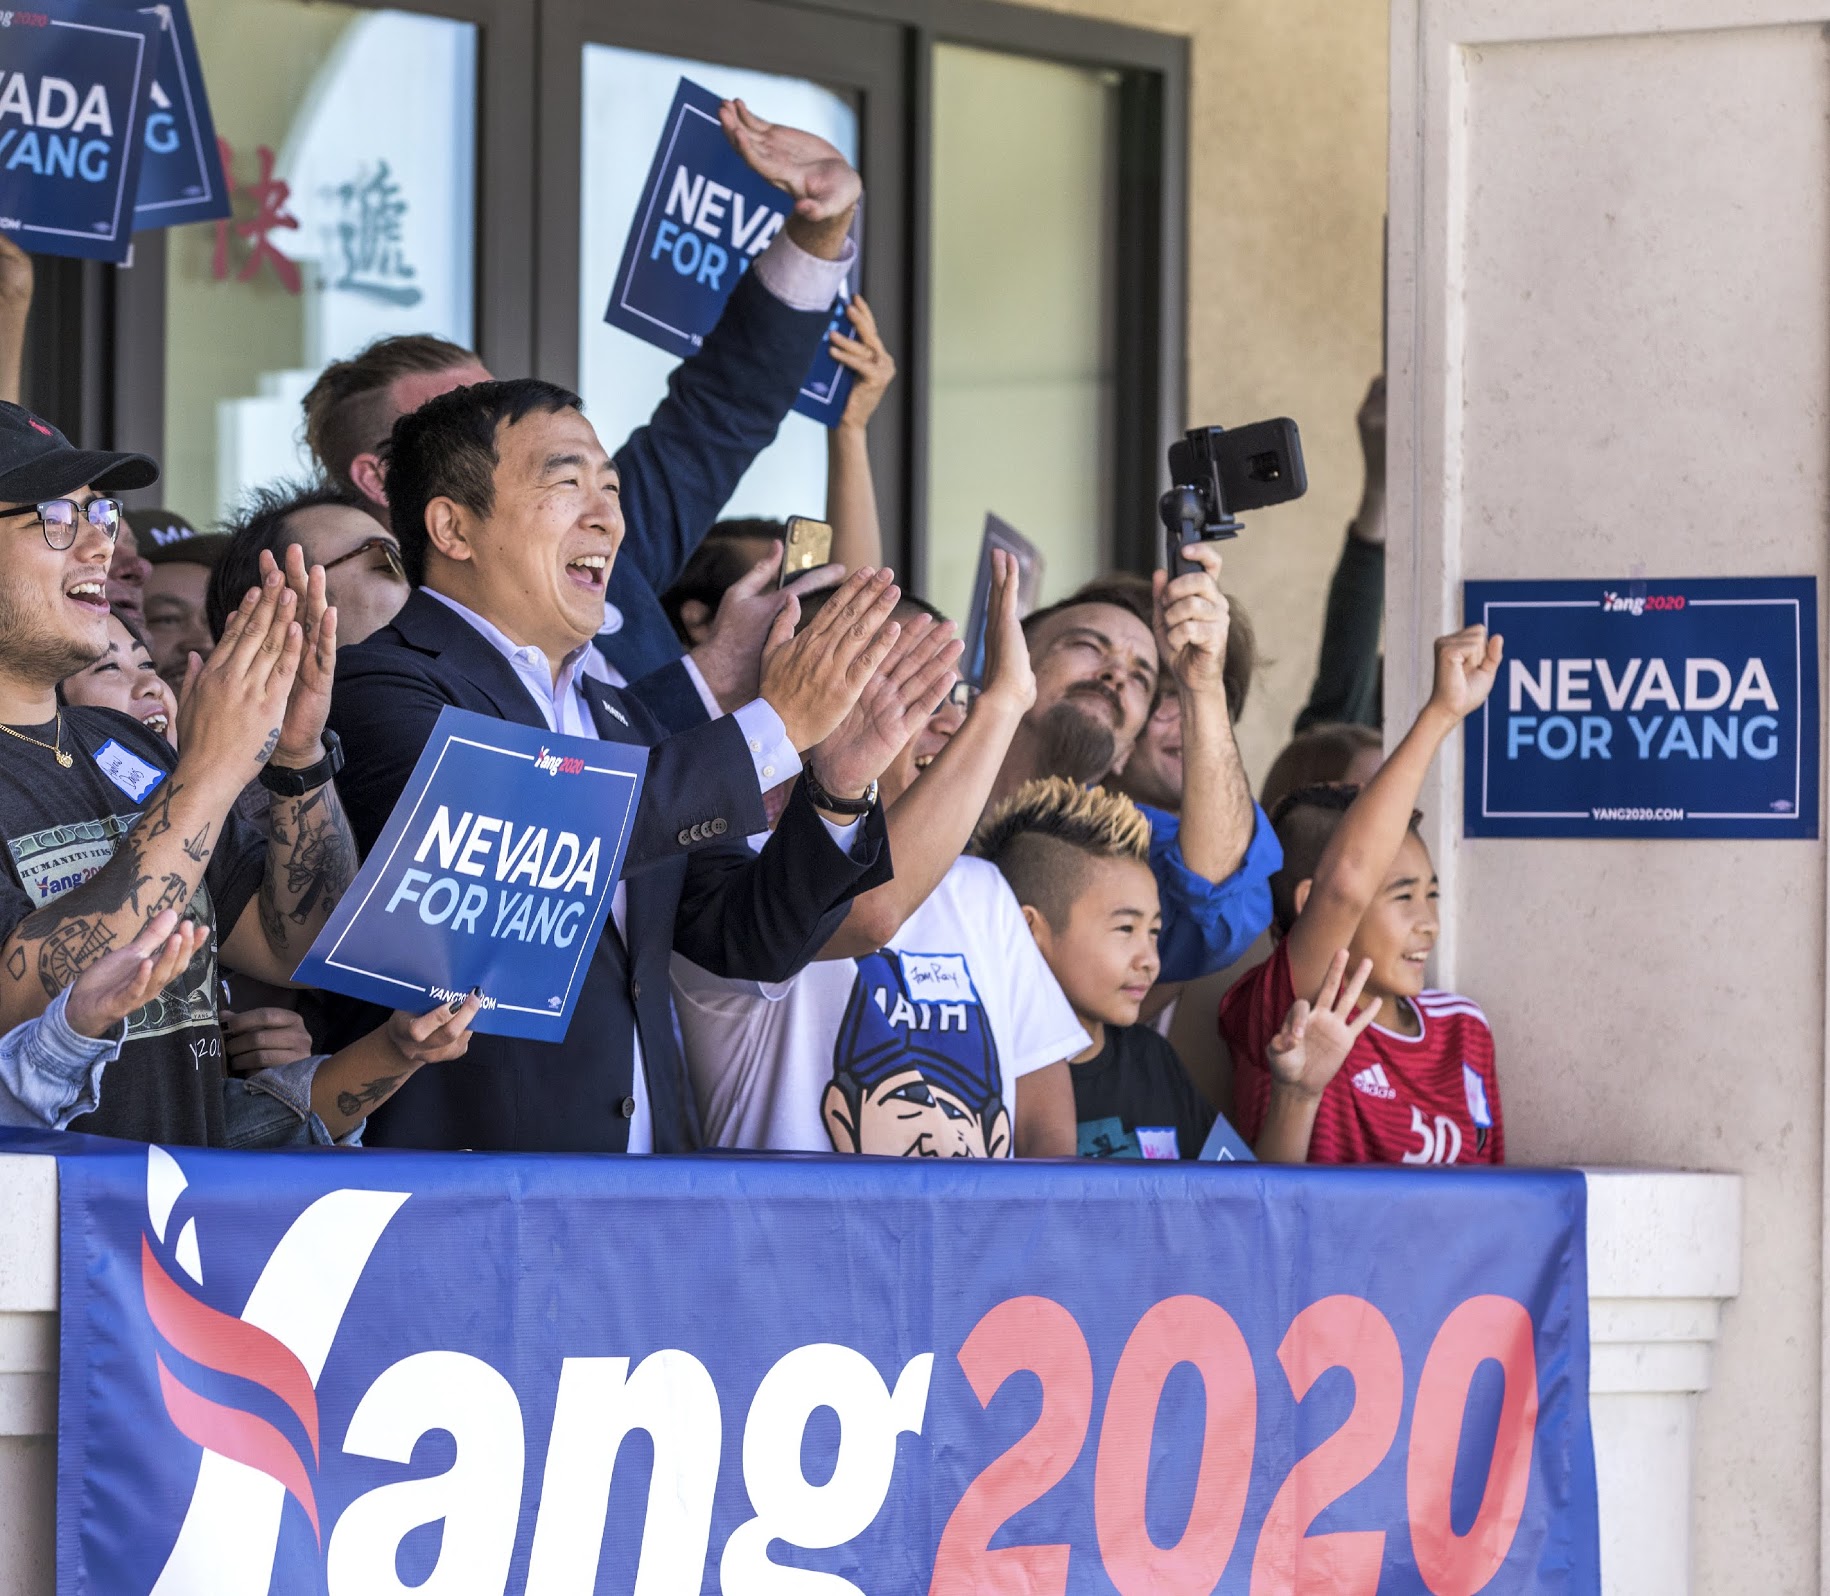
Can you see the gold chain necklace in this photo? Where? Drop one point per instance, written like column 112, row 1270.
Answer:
column 56, row 751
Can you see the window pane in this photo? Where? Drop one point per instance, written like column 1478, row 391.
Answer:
column 369, row 119
column 1021, row 370
column 626, row 97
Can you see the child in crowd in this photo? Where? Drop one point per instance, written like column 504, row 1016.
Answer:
column 1421, row 1088
column 1078, row 860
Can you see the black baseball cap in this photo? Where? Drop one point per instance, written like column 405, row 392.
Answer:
column 37, row 462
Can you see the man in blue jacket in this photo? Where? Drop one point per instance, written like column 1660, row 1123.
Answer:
column 722, row 409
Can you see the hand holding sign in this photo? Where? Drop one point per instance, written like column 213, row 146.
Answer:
column 812, row 680
column 868, row 359
column 1467, row 666
column 823, row 184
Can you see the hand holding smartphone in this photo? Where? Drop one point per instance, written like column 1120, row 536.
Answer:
column 806, row 547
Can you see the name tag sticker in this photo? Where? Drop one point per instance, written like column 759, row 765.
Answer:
column 938, row 977
column 128, row 771
column 1476, row 1091
column 1158, row 1141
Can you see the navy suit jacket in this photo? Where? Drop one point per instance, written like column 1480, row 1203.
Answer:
column 723, row 407
column 694, row 885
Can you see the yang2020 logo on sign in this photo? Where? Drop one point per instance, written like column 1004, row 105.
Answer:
column 479, row 1376
column 1647, row 708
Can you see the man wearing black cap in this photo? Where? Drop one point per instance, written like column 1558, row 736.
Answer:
column 99, row 831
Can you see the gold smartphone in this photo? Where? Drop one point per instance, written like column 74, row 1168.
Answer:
column 807, row 546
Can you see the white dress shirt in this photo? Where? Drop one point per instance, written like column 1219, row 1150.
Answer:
column 561, row 702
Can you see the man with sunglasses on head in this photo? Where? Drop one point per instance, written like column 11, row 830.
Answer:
column 363, row 576
column 102, row 828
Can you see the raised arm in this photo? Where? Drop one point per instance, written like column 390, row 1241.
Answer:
column 311, row 851
column 1191, row 624
column 1360, row 853
column 933, row 820
column 851, row 495
column 234, row 706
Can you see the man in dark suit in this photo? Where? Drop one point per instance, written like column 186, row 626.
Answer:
column 722, row 409
column 505, row 505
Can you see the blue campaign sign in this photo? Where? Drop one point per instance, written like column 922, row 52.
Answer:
column 490, row 1373
column 1647, row 708
column 495, row 870
column 181, row 176
column 702, row 218
column 75, row 88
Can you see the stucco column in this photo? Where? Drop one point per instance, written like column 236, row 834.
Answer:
column 28, row 1375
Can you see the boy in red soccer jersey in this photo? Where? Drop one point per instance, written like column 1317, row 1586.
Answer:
column 1419, row 1088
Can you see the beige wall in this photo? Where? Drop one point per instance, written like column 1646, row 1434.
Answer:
column 1286, row 199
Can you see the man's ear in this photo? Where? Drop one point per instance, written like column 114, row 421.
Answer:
column 448, row 529
column 1301, row 895
column 370, row 477
column 696, row 617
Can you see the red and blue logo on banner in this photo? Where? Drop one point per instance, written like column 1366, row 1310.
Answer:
column 317, row 1372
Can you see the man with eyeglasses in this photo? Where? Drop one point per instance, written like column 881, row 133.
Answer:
column 102, row 828
column 363, row 576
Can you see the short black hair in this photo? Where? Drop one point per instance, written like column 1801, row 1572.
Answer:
column 718, row 562
column 446, row 449
column 259, row 526
column 1304, row 821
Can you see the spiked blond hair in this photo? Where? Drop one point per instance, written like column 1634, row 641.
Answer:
column 1043, row 834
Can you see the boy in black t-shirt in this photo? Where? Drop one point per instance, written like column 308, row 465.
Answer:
column 101, row 829
column 1078, row 860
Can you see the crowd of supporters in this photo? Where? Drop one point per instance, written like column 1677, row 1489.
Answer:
column 865, row 909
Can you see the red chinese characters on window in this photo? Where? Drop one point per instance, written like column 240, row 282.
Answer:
column 268, row 198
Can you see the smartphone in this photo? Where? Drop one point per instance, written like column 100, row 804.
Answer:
column 999, row 534
column 807, row 547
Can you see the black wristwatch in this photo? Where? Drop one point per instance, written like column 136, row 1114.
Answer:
column 288, row 783
column 822, row 799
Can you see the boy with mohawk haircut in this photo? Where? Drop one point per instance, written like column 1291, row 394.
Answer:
column 1419, row 1087
column 1078, row 860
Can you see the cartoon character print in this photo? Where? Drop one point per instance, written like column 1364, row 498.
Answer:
column 915, row 1070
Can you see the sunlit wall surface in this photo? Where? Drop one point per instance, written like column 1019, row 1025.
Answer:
column 1021, row 368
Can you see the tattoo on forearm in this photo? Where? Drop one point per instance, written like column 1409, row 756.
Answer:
column 311, row 861
column 358, row 1103
column 197, row 848
column 69, row 950
column 272, row 742
column 15, row 964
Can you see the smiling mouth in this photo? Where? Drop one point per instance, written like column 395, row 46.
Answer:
column 156, row 721
column 91, row 595
column 589, row 570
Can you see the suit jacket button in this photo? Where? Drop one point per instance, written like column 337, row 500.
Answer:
column 635, row 990
column 720, row 827
column 628, row 1108
column 683, row 839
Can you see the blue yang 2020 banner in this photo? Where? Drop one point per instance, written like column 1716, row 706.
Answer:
column 500, row 1374
column 495, row 870
column 76, row 86
column 702, row 218
column 1680, row 707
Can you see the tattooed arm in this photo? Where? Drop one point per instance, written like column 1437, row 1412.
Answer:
column 232, row 706
column 364, row 1075
column 311, row 852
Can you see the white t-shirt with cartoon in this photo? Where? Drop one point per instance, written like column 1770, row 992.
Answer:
column 913, row 1051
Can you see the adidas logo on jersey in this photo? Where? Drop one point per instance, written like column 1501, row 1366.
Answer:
column 1373, row 1083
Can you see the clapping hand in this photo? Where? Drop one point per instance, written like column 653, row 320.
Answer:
column 129, row 978
column 302, row 732
column 1192, row 621
column 1007, row 671
column 822, row 183
column 730, row 658
column 912, row 683
column 1467, row 666
column 232, row 706
column 1315, row 1039
column 812, row 680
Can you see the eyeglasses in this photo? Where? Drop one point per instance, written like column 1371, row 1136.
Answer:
column 387, row 548
column 58, row 519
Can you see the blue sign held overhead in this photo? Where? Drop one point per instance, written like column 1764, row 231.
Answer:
column 1647, row 708
column 76, row 84
column 702, row 218
column 495, row 870
column 181, row 176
